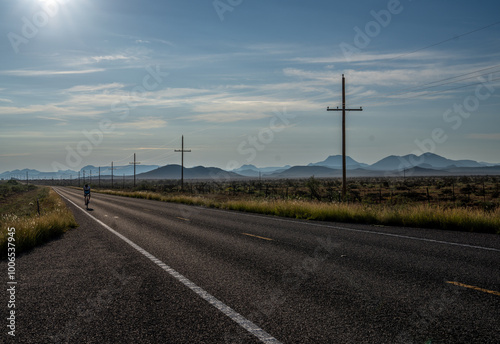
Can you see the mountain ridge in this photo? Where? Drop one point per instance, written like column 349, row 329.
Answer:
column 426, row 163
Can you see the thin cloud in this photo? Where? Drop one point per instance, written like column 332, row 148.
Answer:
column 490, row 137
column 368, row 58
column 95, row 88
column 98, row 59
column 144, row 124
column 15, row 155
column 28, row 73
column 227, row 117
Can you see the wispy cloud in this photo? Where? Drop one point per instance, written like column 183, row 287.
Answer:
column 144, row 124
column 54, row 109
column 4, row 100
column 95, row 88
column 15, row 155
column 29, row 73
column 370, row 58
column 227, row 117
column 490, row 137
column 111, row 58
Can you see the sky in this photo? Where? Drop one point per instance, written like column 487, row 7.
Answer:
column 246, row 82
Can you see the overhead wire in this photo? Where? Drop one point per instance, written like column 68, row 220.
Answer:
column 422, row 87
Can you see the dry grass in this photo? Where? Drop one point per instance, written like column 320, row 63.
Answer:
column 409, row 215
column 32, row 229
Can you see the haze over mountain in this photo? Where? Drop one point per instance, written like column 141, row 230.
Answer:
column 88, row 170
column 425, row 164
column 335, row 161
column 198, row 172
column 253, row 171
column 426, row 160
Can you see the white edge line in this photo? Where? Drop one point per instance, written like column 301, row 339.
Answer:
column 255, row 330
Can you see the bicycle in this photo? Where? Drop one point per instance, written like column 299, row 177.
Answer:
column 86, row 194
column 87, row 201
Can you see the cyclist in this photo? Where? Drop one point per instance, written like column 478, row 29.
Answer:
column 86, row 194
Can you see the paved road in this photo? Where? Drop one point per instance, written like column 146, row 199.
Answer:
column 142, row 271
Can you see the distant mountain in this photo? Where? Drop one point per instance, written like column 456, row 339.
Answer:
column 35, row 174
column 306, row 172
column 425, row 164
column 127, row 170
column 426, row 160
column 335, row 161
column 298, row 172
column 247, row 167
column 199, row 172
column 253, row 171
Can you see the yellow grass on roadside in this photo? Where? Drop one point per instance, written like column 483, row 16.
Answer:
column 32, row 230
column 409, row 215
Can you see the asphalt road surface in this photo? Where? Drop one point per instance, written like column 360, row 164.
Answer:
column 139, row 271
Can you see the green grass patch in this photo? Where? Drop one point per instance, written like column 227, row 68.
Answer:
column 19, row 209
column 408, row 215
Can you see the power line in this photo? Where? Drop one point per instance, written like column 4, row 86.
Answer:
column 431, row 46
column 411, row 89
column 434, row 84
column 182, row 151
column 444, row 41
column 452, row 89
column 429, row 93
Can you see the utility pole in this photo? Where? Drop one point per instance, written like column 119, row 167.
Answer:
column 134, row 163
column 182, row 161
column 344, row 174
column 112, row 175
column 99, row 177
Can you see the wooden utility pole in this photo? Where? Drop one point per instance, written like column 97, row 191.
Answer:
column 112, row 174
column 134, row 163
column 344, row 173
column 182, row 161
